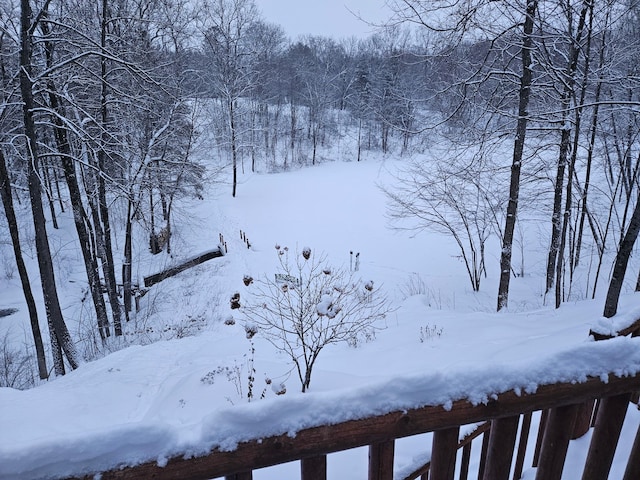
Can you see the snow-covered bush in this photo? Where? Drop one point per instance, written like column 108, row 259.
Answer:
column 17, row 366
column 308, row 305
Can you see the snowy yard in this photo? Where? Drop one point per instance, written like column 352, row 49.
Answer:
column 442, row 342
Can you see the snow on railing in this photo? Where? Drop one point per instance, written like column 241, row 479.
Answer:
column 608, row 371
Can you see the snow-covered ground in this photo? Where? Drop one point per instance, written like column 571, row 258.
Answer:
column 442, row 342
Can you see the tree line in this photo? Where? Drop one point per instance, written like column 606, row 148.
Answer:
column 101, row 114
column 558, row 81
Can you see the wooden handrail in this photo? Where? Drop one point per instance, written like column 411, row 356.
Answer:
column 319, row 441
column 633, row 328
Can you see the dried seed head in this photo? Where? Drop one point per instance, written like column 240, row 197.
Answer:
column 235, row 301
column 279, row 388
column 250, row 330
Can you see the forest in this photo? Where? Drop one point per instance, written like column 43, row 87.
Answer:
column 535, row 101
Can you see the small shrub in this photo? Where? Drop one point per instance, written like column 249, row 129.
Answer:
column 239, row 373
column 17, row 366
column 429, row 332
column 414, row 285
column 308, row 305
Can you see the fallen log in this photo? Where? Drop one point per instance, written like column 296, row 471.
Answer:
column 192, row 262
column 5, row 312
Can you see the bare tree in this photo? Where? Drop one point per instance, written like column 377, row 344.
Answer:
column 10, row 121
column 226, row 26
column 621, row 263
column 487, row 84
column 309, row 305
column 60, row 338
column 7, row 201
column 451, row 198
column 518, row 149
column 566, row 78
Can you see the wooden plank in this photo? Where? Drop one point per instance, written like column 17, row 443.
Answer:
column 464, row 464
column 502, row 441
column 356, row 433
column 632, row 472
column 583, row 420
column 314, row 468
column 483, row 454
column 192, row 262
column 606, row 434
column 443, row 454
column 381, row 460
column 557, row 434
column 522, row 445
column 541, row 425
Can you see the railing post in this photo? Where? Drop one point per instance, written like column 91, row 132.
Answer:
column 555, row 443
column 483, row 453
column 502, row 441
column 314, row 468
column 606, row 433
column 466, row 458
column 632, row 472
column 443, row 454
column 381, row 460
column 583, row 420
column 541, row 425
column 522, row 445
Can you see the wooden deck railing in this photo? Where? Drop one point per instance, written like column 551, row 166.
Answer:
column 499, row 419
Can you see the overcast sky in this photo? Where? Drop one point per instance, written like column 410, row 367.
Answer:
column 324, row 17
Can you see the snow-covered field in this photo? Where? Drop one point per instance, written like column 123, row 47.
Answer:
column 442, row 341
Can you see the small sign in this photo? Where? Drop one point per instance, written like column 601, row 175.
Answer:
column 283, row 278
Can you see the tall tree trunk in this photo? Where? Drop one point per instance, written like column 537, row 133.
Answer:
column 253, row 136
column 556, row 216
column 108, row 265
column 359, row 138
column 7, row 201
column 566, row 218
column 620, row 266
column 234, row 147
column 63, row 342
column 572, row 163
column 518, row 149
column 126, row 265
column 48, row 192
column 565, row 146
column 294, row 128
column 590, row 149
column 80, row 217
column 56, row 182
